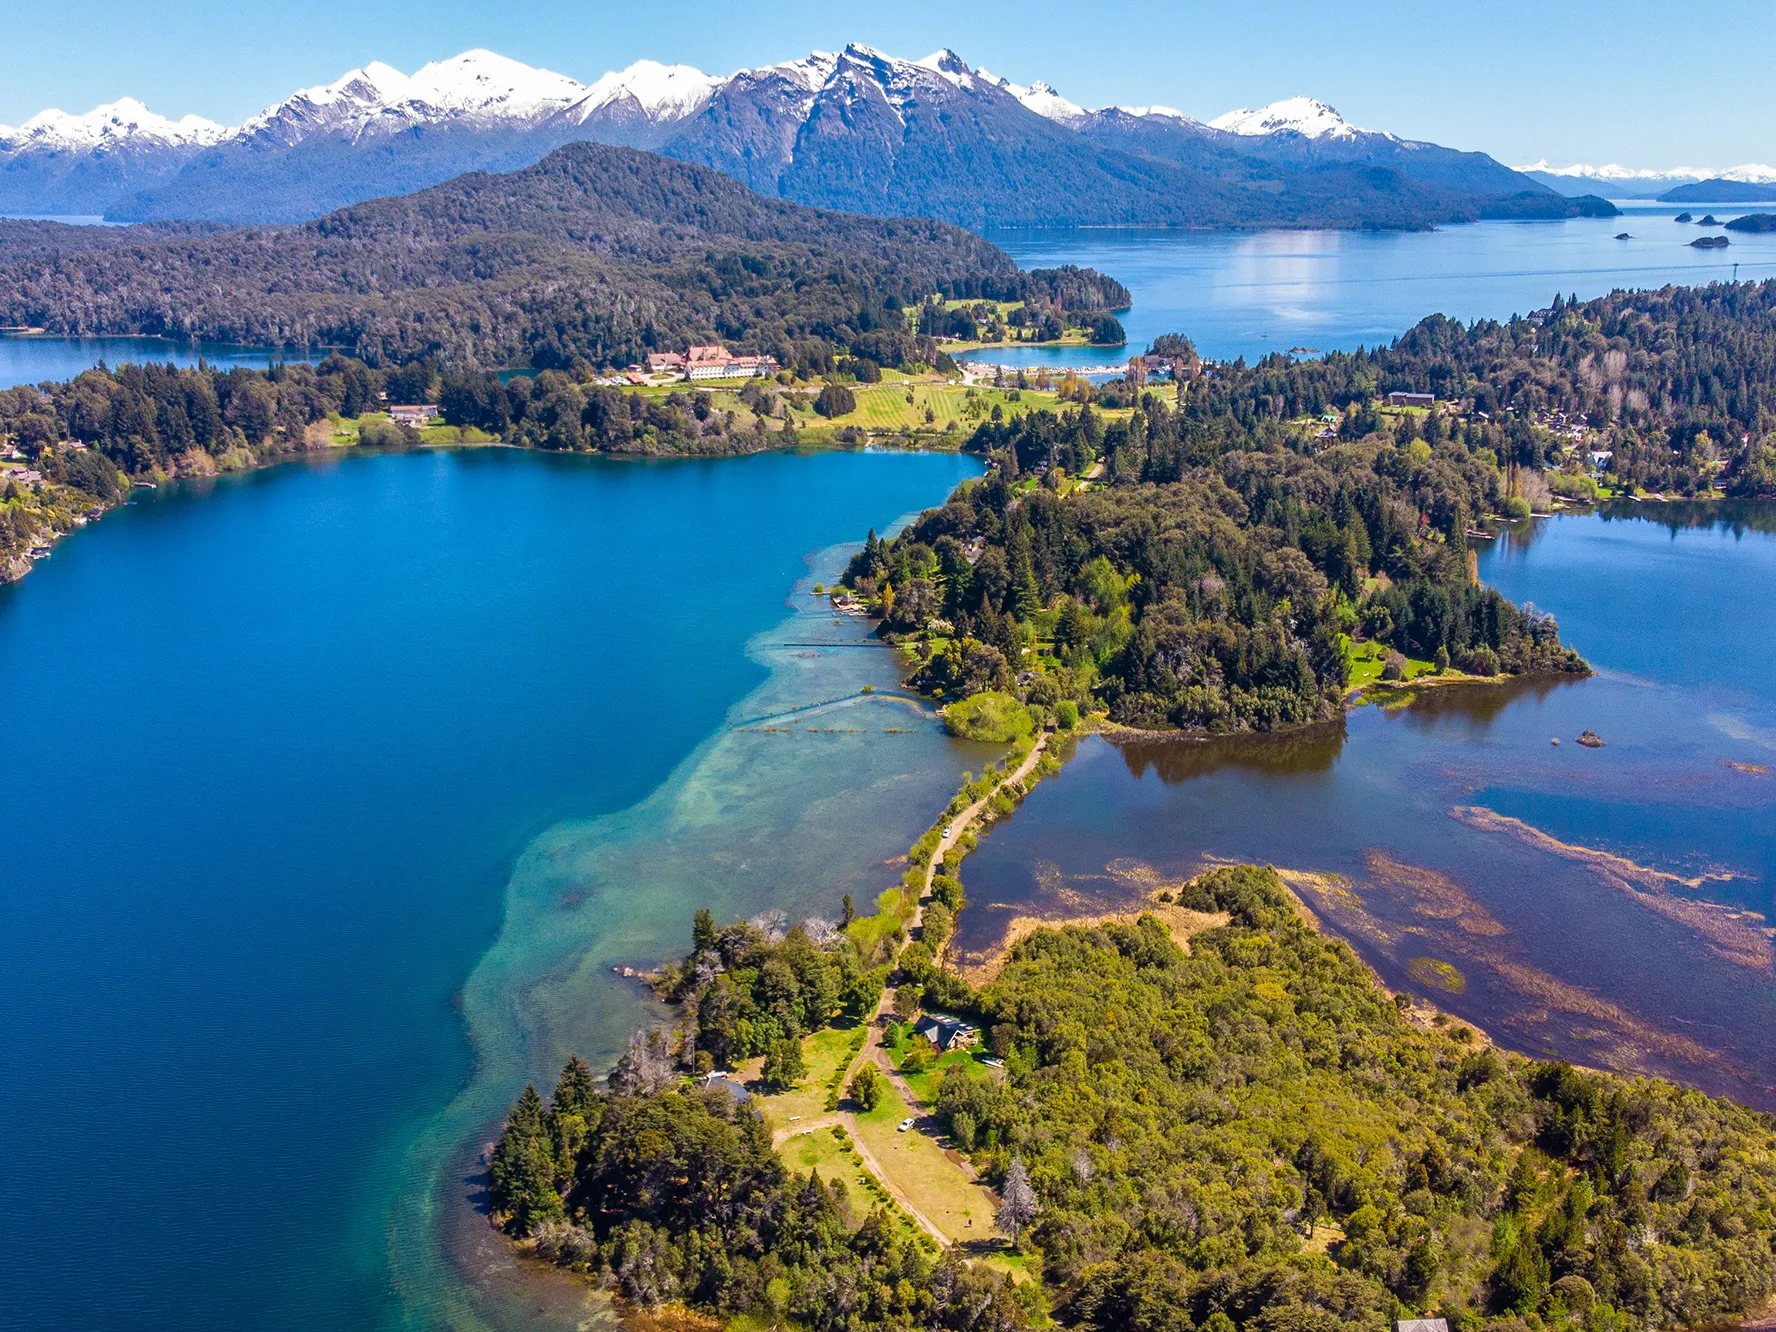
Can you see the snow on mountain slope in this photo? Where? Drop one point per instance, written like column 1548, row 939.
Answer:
column 113, row 125
column 1292, row 115
column 476, row 87
column 1040, row 98
column 660, row 92
column 1755, row 173
column 1163, row 112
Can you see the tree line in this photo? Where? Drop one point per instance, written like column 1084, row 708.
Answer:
column 1210, row 581
column 595, row 253
column 1243, row 1136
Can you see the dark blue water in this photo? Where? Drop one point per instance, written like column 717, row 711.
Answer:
column 1648, row 962
column 1252, row 293
column 35, row 359
column 273, row 745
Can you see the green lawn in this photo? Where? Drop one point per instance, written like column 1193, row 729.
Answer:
column 1368, row 659
column 828, row 1152
column 926, row 1082
column 933, row 1183
column 826, row 1053
column 885, row 406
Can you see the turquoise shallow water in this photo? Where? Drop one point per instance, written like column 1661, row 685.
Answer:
column 276, row 744
column 1645, row 962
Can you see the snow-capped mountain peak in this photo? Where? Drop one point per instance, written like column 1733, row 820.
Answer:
column 113, row 125
column 1040, row 98
column 1293, row 115
column 484, row 83
column 662, row 92
column 1164, row 112
column 1755, row 173
column 811, row 73
column 947, row 63
column 477, row 87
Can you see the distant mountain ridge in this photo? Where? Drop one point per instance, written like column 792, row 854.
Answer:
column 855, row 129
column 1615, row 181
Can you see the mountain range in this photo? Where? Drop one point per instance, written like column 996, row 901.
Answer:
column 855, row 130
column 1750, row 183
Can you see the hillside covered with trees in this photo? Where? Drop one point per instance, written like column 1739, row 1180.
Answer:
column 1247, row 1133
column 595, row 253
column 1678, row 384
column 1208, row 585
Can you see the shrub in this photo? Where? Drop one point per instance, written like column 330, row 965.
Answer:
column 378, row 432
column 991, row 716
column 1480, row 661
column 1394, row 668
column 1066, row 714
column 1517, row 507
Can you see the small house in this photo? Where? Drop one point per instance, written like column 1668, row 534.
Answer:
column 947, row 1033
column 413, row 413
column 1421, row 1325
column 1412, row 400
column 722, row 1082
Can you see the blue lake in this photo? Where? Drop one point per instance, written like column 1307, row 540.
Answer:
column 37, row 359
column 275, row 746
column 1609, row 906
column 1252, row 293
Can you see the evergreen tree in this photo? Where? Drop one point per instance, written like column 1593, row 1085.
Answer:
column 702, row 932
column 575, row 1092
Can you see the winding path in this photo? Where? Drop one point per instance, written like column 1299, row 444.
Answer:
column 872, row 1048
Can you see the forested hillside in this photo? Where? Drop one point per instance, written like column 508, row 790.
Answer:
column 1208, row 585
column 1679, row 384
column 595, row 253
column 1246, row 1134
column 1234, row 539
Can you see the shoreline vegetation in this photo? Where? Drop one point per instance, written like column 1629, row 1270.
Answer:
column 1203, row 1112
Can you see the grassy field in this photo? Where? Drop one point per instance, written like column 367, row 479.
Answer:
column 826, row 1053
column 918, row 1167
column 1368, row 659
column 829, row 1153
column 885, row 406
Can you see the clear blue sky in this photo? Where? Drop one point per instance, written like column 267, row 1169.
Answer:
column 1643, row 82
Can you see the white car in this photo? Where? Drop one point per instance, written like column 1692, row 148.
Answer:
column 905, row 1124
column 949, row 830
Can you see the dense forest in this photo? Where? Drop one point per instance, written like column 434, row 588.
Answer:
column 1678, row 385
column 1209, row 583
column 1247, row 1133
column 85, row 440
column 1206, row 580
column 595, row 253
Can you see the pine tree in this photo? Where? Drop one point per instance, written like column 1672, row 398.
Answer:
column 703, row 932
column 575, row 1090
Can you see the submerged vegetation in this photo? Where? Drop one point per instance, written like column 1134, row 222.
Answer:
column 1247, row 1133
